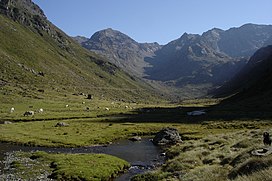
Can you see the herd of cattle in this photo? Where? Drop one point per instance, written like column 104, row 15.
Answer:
column 31, row 113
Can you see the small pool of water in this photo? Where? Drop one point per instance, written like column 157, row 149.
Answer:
column 142, row 155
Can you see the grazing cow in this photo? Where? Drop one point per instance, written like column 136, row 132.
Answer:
column 266, row 139
column 66, row 105
column 40, row 110
column 87, row 109
column 29, row 113
column 12, row 110
column 107, row 109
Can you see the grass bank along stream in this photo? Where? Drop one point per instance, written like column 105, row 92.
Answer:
column 45, row 166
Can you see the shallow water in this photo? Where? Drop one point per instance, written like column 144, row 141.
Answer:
column 142, row 155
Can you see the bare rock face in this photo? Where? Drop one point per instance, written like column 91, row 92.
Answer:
column 121, row 50
column 167, row 136
column 31, row 15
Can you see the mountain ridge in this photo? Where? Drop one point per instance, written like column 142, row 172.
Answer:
column 206, row 60
column 121, row 50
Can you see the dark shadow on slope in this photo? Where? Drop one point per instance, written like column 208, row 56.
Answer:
column 179, row 115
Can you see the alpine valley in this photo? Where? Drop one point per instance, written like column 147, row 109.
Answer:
column 192, row 65
column 110, row 108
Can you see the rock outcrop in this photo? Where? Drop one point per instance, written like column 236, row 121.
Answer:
column 31, row 15
column 167, row 136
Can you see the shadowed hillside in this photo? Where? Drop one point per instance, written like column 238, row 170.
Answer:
column 252, row 87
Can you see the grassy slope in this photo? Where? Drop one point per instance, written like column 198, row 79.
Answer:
column 66, row 71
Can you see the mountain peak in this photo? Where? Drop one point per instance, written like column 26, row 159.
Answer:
column 21, row 10
column 121, row 50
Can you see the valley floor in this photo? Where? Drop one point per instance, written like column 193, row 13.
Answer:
column 212, row 149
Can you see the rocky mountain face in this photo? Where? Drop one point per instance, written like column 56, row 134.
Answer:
column 209, row 59
column 206, row 60
column 121, row 50
column 245, row 40
column 193, row 59
column 29, row 14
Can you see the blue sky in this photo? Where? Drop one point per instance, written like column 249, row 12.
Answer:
column 154, row 20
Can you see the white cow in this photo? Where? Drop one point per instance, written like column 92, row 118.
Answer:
column 12, row 110
column 40, row 110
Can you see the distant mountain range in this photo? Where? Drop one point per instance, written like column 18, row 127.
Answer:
column 192, row 62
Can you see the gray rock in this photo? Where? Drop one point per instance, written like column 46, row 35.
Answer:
column 167, row 136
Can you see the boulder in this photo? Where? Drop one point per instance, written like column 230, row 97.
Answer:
column 167, row 136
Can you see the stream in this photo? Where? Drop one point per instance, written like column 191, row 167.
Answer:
column 142, row 155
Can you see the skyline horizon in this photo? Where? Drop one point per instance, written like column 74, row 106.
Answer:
column 153, row 21
column 177, row 37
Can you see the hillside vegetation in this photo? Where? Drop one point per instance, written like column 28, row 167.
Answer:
column 34, row 66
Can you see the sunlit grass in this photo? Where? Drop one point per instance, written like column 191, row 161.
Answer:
column 219, row 156
column 89, row 167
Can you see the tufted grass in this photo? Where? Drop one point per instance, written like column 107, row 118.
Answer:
column 219, row 156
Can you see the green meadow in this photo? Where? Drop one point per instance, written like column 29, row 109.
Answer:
column 212, row 148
